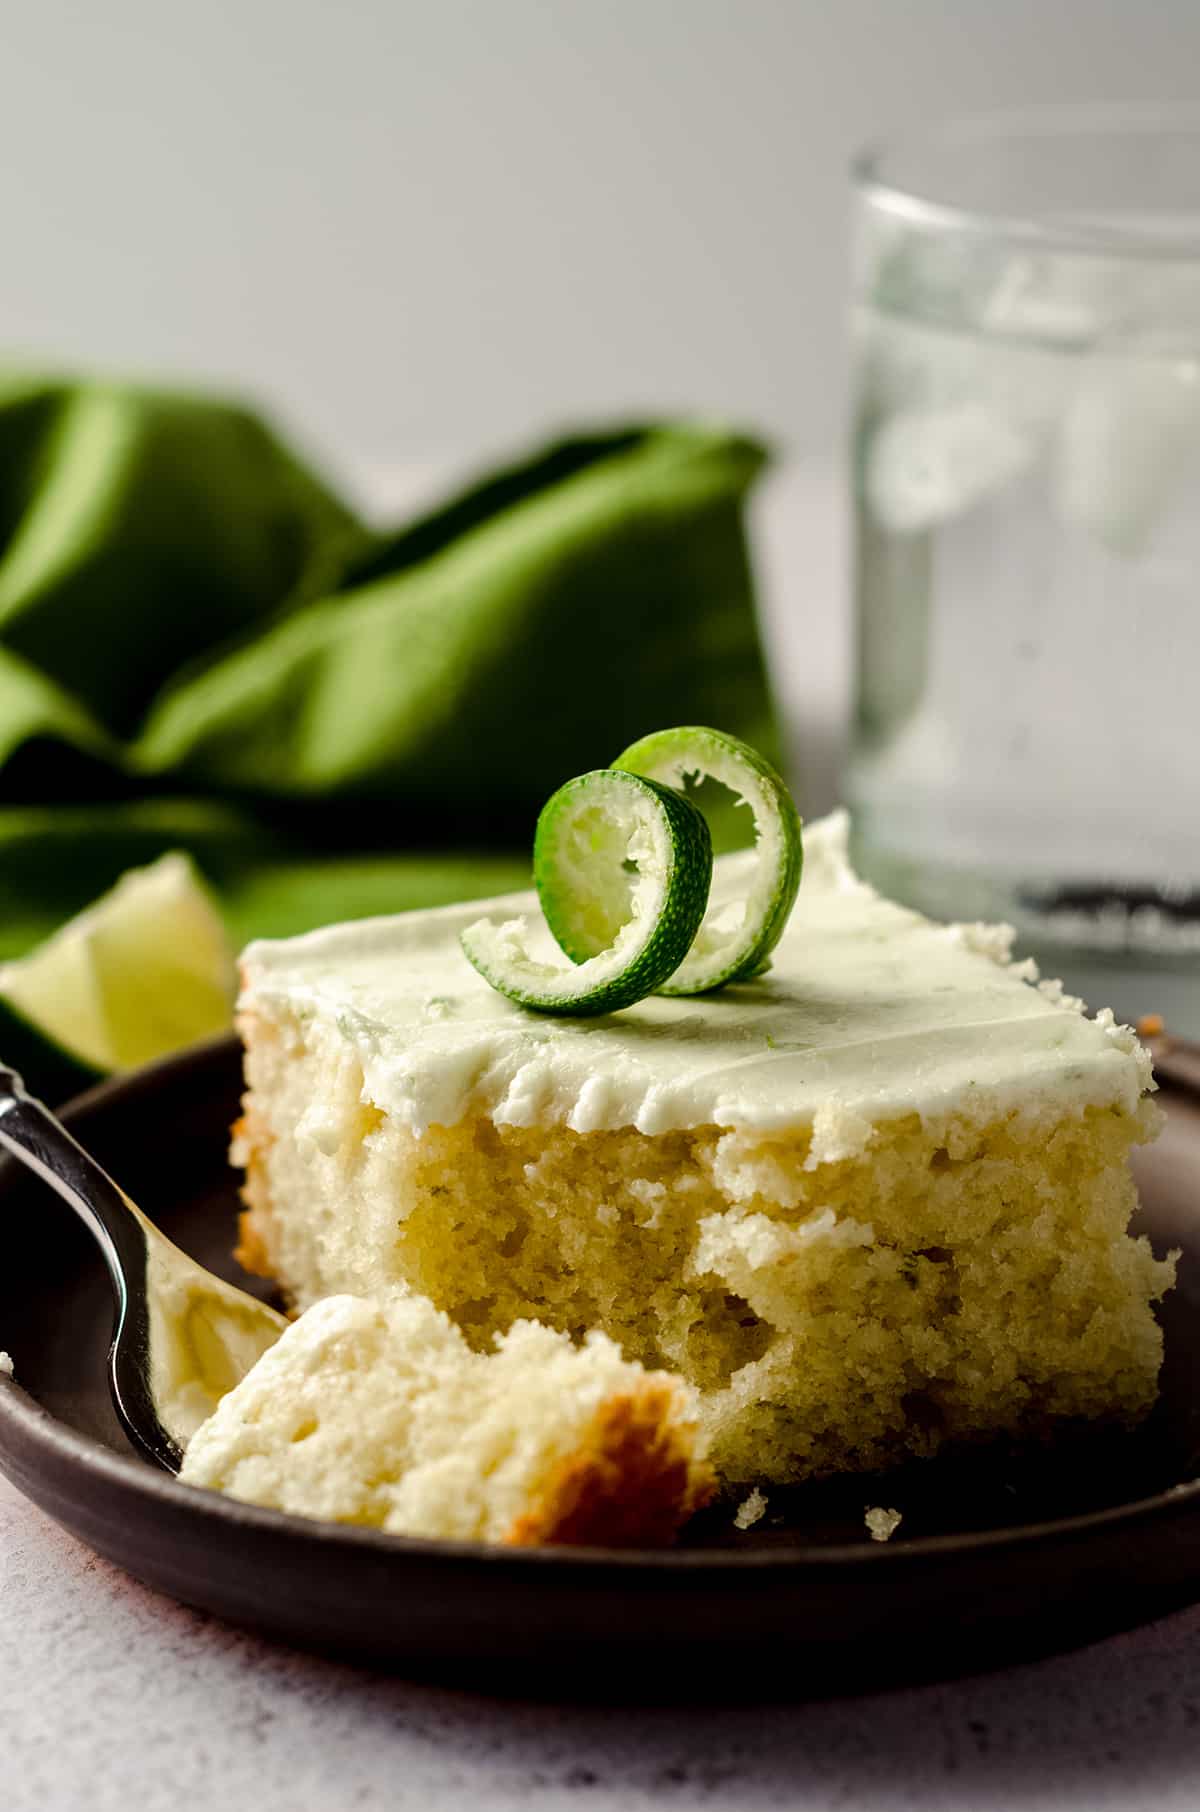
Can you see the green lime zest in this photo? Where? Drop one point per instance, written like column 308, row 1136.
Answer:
column 737, row 936
column 622, row 864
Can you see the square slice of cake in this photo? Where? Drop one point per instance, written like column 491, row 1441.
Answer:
column 871, row 1202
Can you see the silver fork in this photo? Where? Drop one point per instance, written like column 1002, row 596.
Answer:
column 181, row 1337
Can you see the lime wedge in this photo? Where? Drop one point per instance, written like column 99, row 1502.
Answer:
column 736, row 939
column 145, row 970
column 622, row 867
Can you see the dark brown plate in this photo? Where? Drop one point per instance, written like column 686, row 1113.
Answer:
column 997, row 1557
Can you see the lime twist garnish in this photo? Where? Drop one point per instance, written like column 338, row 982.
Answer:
column 626, row 861
column 737, row 937
column 623, row 868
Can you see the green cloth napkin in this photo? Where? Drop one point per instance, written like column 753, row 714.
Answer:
column 202, row 647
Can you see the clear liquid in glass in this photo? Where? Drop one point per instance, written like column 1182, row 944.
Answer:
column 1027, row 734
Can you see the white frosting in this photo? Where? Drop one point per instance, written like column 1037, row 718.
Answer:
column 868, row 1012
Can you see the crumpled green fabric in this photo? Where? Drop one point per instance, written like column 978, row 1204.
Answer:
column 203, row 647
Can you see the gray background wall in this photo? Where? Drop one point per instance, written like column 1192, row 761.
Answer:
column 429, row 229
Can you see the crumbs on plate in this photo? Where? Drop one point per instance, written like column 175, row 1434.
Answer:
column 750, row 1511
column 882, row 1523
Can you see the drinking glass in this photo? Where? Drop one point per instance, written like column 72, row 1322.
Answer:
column 1026, row 463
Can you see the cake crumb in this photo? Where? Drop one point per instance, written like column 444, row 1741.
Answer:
column 750, row 1510
column 651, row 1198
column 6, row 1365
column 882, row 1523
column 1151, row 1025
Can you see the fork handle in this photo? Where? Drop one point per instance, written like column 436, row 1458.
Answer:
column 39, row 1141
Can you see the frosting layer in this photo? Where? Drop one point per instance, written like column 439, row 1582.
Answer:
column 869, row 1012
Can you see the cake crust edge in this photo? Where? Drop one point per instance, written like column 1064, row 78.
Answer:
column 633, row 1481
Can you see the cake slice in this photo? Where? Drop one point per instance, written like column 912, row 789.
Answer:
column 871, row 1202
column 379, row 1413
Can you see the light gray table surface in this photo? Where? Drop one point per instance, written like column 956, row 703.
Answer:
column 112, row 1697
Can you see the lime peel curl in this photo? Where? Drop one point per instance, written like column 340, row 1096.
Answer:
column 647, row 853
column 623, row 870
